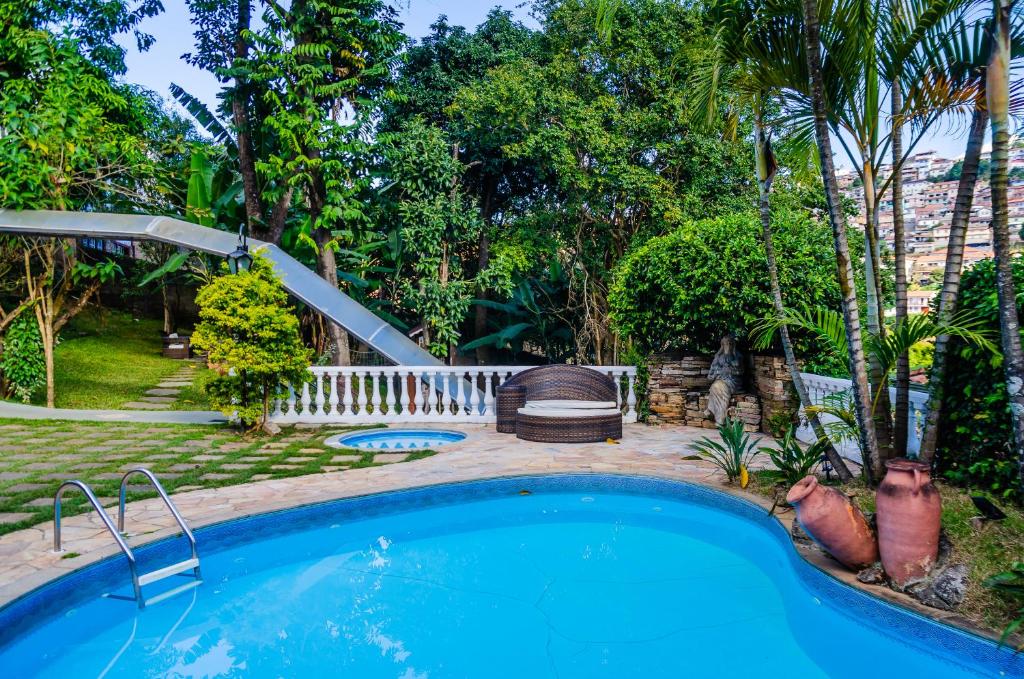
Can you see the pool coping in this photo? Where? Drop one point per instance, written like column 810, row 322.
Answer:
column 483, row 455
column 847, row 600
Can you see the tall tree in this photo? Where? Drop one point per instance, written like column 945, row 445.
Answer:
column 997, row 92
column 844, row 263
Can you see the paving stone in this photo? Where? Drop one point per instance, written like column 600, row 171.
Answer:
column 285, row 466
column 388, row 458
column 162, row 456
column 261, row 477
column 233, row 446
column 88, row 465
column 150, row 443
column 299, row 460
column 197, row 443
column 40, row 467
column 15, row 517
column 57, row 476
column 346, row 458
column 332, row 469
column 274, row 445
column 212, row 476
column 119, row 442
column 107, row 476
column 162, row 392
column 136, row 405
column 183, row 467
column 25, row 487
column 251, row 458
column 312, row 451
column 207, row 458
column 236, row 466
column 185, row 489
column 174, row 384
column 12, row 476
column 40, row 502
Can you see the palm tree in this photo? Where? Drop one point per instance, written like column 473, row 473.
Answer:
column 844, row 263
column 741, row 63
column 997, row 92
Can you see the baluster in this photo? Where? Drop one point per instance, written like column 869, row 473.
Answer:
column 488, row 396
column 347, row 399
column 332, row 403
column 404, row 384
column 469, row 386
column 276, row 413
column 389, row 386
column 421, row 398
column 446, row 394
column 305, row 399
column 432, row 407
column 321, row 395
column 614, row 374
column 630, row 396
column 375, row 397
column 291, row 400
column 361, row 400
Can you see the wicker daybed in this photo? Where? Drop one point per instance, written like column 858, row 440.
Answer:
column 560, row 404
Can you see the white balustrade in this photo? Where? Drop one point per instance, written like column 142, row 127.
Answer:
column 819, row 387
column 411, row 394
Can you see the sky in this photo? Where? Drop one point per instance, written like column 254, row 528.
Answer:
column 161, row 65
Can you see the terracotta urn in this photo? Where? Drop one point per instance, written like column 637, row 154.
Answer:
column 909, row 519
column 834, row 523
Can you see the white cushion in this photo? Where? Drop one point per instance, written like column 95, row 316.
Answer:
column 569, row 405
column 569, row 412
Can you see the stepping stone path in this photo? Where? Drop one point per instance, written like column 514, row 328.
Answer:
column 164, row 395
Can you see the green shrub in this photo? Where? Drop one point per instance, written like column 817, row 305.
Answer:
column 686, row 289
column 23, row 365
column 249, row 332
column 974, row 446
column 734, row 455
column 792, row 461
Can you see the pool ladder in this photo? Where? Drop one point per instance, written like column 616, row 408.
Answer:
column 138, row 581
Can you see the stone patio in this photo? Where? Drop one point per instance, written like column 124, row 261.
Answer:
column 657, row 451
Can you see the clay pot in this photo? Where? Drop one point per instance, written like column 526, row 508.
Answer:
column 834, row 523
column 909, row 518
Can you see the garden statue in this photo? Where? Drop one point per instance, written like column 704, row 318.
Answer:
column 726, row 376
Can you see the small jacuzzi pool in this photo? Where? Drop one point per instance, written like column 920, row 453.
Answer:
column 395, row 439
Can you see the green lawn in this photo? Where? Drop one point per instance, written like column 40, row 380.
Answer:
column 36, row 456
column 107, row 358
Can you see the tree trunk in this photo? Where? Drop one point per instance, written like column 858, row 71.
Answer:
column 168, row 313
column 243, row 135
column 997, row 91
column 901, row 420
column 951, row 275
column 766, row 168
column 328, row 270
column 877, row 378
column 483, row 354
column 844, row 265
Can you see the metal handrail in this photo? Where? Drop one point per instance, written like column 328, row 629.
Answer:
column 106, row 521
column 163, row 496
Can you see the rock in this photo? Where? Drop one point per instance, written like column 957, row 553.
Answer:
column 799, row 536
column 872, row 575
column 946, row 589
column 271, row 428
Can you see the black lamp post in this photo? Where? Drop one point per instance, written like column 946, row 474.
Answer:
column 240, row 259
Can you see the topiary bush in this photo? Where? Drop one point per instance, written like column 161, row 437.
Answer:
column 22, row 363
column 250, row 334
column 686, row 289
column 974, row 445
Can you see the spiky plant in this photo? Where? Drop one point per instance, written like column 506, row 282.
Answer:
column 733, row 455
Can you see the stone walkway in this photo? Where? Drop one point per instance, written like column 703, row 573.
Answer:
column 21, row 411
column 657, row 451
column 166, row 393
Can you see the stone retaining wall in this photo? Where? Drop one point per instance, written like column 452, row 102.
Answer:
column 678, row 387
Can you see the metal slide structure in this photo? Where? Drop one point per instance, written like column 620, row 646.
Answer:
column 300, row 281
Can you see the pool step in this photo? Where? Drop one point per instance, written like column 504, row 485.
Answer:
column 168, row 571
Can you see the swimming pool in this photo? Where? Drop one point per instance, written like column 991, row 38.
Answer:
column 582, row 576
column 395, row 439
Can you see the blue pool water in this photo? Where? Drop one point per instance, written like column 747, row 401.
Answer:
column 582, row 577
column 395, row 439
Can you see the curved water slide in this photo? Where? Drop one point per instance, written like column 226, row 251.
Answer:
column 301, row 282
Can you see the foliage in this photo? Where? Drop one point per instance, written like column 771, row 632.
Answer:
column 974, row 435
column 22, row 362
column 1011, row 584
column 791, row 460
column 249, row 332
column 706, row 278
column 733, row 455
column 841, row 424
column 436, row 221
